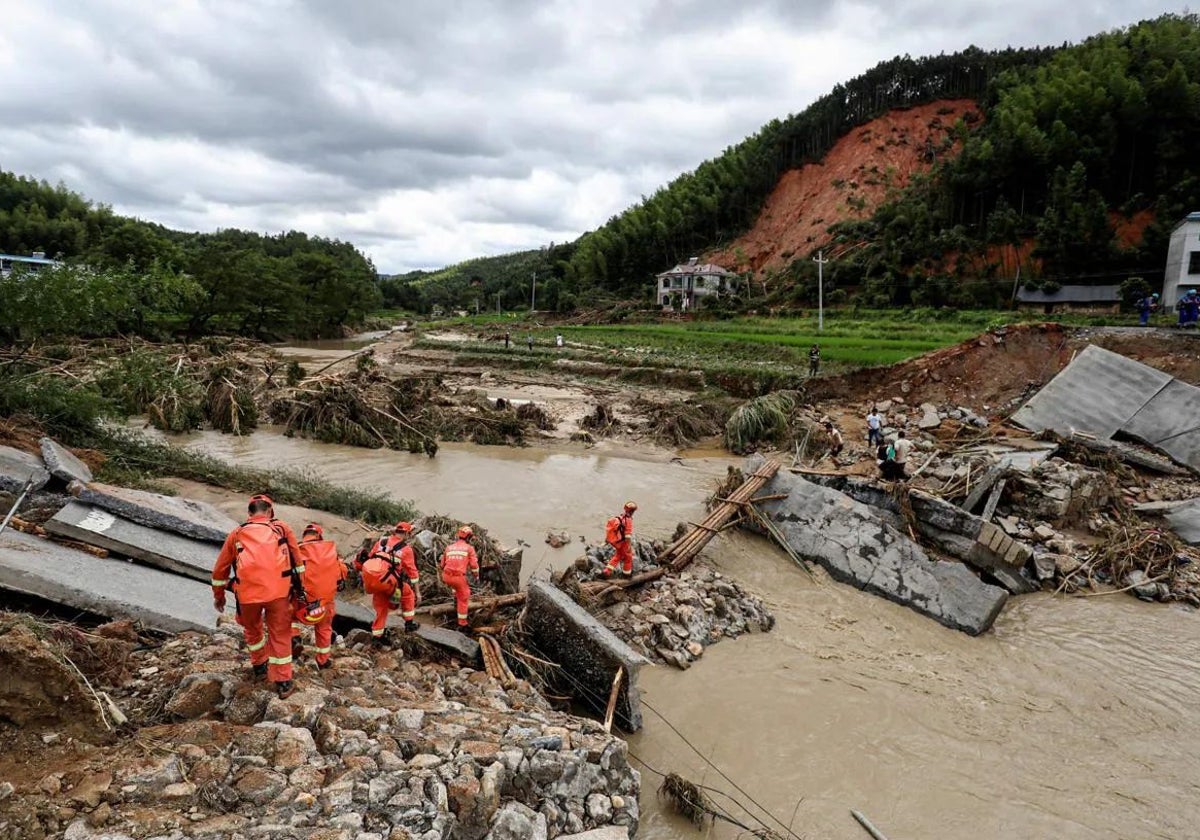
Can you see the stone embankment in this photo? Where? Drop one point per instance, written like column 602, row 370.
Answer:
column 379, row 747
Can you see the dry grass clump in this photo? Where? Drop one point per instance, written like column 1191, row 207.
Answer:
column 684, row 422
column 762, row 420
column 602, row 421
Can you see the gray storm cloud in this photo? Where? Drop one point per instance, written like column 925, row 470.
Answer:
column 430, row 132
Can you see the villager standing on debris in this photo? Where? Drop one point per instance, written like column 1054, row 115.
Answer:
column 618, row 533
column 558, row 340
column 836, row 444
column 529, row 341
column 324, row 577
column 814, row 360
column 874, row 428
column 390, row 577
column 259, row 563
column 458, row 560
column 902, row 447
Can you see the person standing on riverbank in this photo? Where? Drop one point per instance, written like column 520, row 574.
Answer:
column 258, row 562
column 902, row 446
column 814, row 360
column 619, row 534
column 836, row 444
column 390, row 577
column 874, row 428
column 458, row 560
column 529, row 341
column 324, row 577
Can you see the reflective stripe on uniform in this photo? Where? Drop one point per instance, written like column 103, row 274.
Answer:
column 462, row 616
column 259, row 645
column 416, row 579
column 279, row 660
column 322, row 651
column 376, row 632
column 297, row 625
column 219, row 583
column 299, row 569
column 408, row 616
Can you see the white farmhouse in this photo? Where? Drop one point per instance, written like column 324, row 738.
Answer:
column 686, row 284
column 1183, row 261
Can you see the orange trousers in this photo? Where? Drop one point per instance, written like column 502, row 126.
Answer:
column 384, row 604
column 622, row 556
column 323, row 632
column 271, row 643
column 457, row 581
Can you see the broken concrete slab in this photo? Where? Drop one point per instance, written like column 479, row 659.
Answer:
column 1098, row 393
column 16, row 468
column 450, row 640
column 858, row 545
column 1184, row 520
column 949, row 529
column 1129, row 455
column 113, row 588
column 1168, row 422
column 62, row 462
column 566, row 633
column 161, row 549
column 198, row 520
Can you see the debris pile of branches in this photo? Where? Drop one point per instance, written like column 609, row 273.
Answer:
column 765, row 420
column 602, row 421
column 1150, row 561
column 685, row 422
column 534, row 415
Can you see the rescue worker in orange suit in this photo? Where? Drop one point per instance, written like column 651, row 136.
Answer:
column 260, row 563
column 324, row 578
column 389, row 575
column 618, row 533
column 458, row 560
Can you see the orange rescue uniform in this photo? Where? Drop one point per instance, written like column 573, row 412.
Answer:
column 323, row 571
column 261, row 580
column 401, row 574
column 459, row 558
column 617, row 533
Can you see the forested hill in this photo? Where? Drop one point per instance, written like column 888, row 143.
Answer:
column 1072, row 141
column 228, row 281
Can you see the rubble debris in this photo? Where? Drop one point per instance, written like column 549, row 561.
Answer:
column 112, row 588
column 17, row 468
column 39, row 689
column 562, row 631
column 189, row 518
column 673, row 619
column 378, row 745
column 857, row 545
column 1184, row 520
column 1059, row 492
column 557, row 540
column 62, row 462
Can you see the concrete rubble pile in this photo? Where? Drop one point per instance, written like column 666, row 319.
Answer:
column 376, row 748
column 674, row 618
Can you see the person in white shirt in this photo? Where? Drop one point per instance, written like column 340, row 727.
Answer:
column 874, row 428
column 835, row 439
column 903, row 446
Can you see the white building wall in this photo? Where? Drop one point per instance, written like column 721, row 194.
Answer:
column 1185, row 240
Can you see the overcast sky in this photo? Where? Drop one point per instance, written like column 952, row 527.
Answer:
column 431, row 131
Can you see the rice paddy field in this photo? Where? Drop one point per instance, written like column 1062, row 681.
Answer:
column 747, row 346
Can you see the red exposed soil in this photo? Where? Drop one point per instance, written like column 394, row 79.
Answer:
column 1129, row 232
column 850, row 183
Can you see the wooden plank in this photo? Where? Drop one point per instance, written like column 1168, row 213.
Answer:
column 993, row 500
column 985, row 484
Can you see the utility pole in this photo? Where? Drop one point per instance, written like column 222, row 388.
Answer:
column 820, row 260
column 533, row 294
column 497, row 303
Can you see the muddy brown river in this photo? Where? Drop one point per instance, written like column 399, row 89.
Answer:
column 1073, row 718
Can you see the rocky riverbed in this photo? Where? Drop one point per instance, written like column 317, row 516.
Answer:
column 379, row 747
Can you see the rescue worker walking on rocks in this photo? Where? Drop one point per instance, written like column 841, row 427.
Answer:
column 260, row 563
column 458, row 560
column 618, row 533
column 390, row 577
column 324, row 578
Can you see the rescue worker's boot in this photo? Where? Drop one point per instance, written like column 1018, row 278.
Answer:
column 322, row 666
column 285, row 689
column 411, row 626
column 260, row 670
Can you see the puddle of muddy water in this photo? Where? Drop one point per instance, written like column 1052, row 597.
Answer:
column 1074, row 718
column 517, row 494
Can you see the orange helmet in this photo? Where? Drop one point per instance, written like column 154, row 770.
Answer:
column 630, row 507
column 314, row 528
column 310, row 613
column 261, row 497
column 465, row 532
column 403, row 527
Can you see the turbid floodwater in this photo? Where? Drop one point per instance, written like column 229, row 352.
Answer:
column 1073, row 718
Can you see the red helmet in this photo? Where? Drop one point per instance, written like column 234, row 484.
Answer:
column 403, row 527
column 465, row 532
column 310, row 613
column 314, row 528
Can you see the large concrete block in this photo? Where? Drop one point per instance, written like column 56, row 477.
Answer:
column 62, row 463
column 16, row 468
column 589, row 652
column 858, row 546
column 451, row 640
column 108, row 587
column 161, row 549
column 197, row 520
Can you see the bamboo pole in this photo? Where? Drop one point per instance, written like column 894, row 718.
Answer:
column 612, row 698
